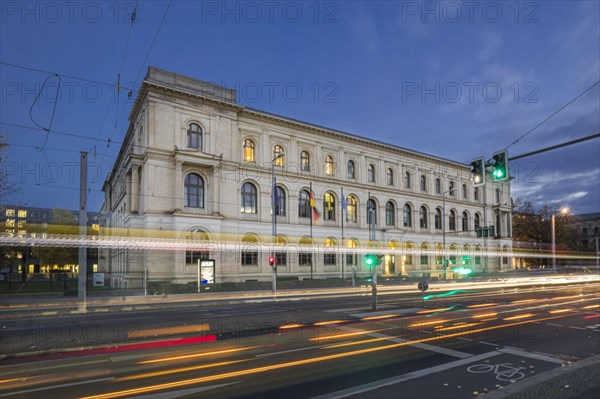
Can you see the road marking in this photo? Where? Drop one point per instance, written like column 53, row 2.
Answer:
column 57, row 386
column 487, row 343
column 577, row 328
column 405, row 377
column 49, row 313
column 554, row 325
column 432, row 348
column 537, row 356
column 58, row 366
column 391, row 312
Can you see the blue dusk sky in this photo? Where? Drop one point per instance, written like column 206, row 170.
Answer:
column 453, row 79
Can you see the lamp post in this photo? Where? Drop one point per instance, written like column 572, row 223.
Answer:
column 445, row 265
column 274, row 221
column 563, row 211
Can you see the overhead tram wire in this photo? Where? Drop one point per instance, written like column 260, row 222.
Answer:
column 130, row 93
column 553, row 114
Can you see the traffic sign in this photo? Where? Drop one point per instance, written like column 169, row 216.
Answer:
column 423, row 286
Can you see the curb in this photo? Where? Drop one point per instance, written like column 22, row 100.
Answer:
column 560, row 383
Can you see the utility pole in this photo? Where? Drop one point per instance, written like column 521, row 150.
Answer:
column 82, row 276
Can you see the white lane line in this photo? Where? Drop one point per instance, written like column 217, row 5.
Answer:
column 182, row 392
column 298, row 350
column 576, row 328
column 487, row 343
column 537, row 356
column 543, row 353
column 40, row 368
column 431, row 348
column 56, row 386
column 405, row 377
column 554, row 325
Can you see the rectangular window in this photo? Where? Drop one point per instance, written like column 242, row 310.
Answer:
column 249, row 258
column 330, row 259
column 192, row 257
column 281, row 258
column 424, row 259
column 305, row 259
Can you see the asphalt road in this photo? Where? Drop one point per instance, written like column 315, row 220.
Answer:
column 455, row 345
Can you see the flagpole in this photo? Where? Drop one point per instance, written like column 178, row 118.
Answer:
column 310, row 200
column 343, row 247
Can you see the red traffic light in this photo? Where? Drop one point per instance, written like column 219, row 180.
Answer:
column 271, row 260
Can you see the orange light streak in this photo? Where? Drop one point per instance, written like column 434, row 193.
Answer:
column 325, row 323
column 427, row 323
column 180, row 370
column 295, row 363
column 481, row 305
column 433, row 310
column 169, row 359
column 286, row 326
column 520, row 316
column 385, row 316
column 559, row 311
column 591, row 307
column 481, row 316
column 351, row 334
column 442, row 328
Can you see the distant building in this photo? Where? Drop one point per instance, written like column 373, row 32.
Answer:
column 588, row 226
column 31, row 222
column 195, row 166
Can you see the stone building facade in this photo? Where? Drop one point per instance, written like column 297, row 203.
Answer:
column 195, row 174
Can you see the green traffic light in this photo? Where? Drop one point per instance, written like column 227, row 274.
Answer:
column 370, row 260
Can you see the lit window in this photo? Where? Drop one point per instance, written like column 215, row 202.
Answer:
column 276, row 151
column 329, row 207
column 329, row 165
column 248, row 150
column 304, row 161
column 351, row 209
column 22, row 213
column 10, row 213
column 330, row 256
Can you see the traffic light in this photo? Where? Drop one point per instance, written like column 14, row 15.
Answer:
column 500, row 165
column 370, row 260
column 272, row 261
column 478, row 171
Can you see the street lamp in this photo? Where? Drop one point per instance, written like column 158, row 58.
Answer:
column 563, row 211
column 273, row 221
column 445, row 265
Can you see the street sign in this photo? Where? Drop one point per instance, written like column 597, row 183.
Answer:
column 423, row 286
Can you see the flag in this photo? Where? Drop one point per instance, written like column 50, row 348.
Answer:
column 313, row 206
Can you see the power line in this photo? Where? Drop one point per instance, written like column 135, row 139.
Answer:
column 556, row 112
column 80, row 136
column 554, row 147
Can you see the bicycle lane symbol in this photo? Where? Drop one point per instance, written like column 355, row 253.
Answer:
column 503, row 371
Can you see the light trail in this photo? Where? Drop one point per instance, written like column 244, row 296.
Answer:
column 239, row 373
column 170, row 359
column 180, row 370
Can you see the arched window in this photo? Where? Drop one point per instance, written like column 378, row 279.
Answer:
column 407, row 180
column 438, row 186
column 477, row 221
column 351, row 206
column 248, row 150
column 351, row 174
column 194, row 136
column 451, row 188
column 423, row 217
column 452, row 221
column 304, row 254
column 390, row 214
column 304, row 161
column 438, row 219
column 194, row 191
column 423, row 183
column 276, row 151
column 371, row 212
column 464, row 191
column 249, row 250
column 192, row 257
column 280, row 201
column 371, row 173
column 248, row 198
column 330, row 252
column 329, row 206
column 390, row 177
column 351, row 258
column 465, row 221
column 304, row 204
column 407, row 215
column 329, row 165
